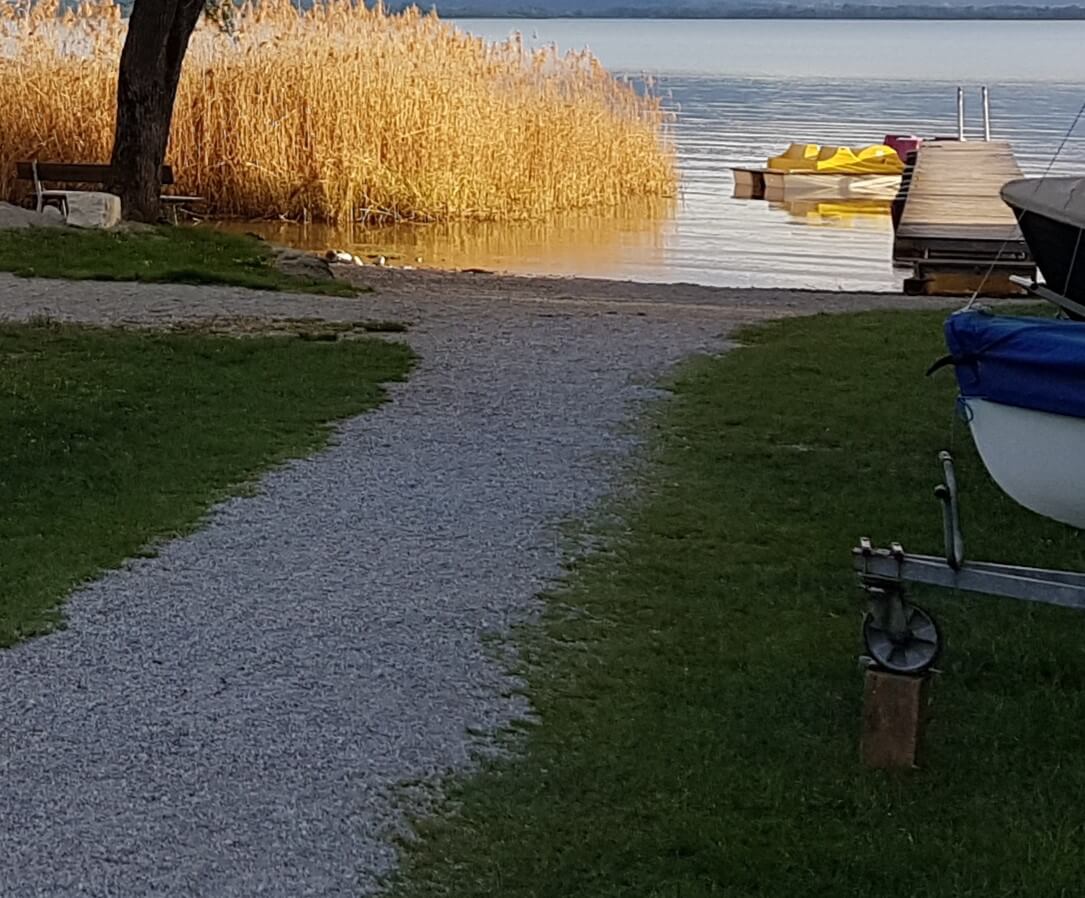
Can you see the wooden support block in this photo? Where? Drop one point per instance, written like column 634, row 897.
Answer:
column 914, row 286
column 893, row 712
column 962, row 282
column 965, row 283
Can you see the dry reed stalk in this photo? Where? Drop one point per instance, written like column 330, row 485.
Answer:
column 341, row 112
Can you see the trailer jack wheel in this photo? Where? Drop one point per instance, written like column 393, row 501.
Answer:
column 900, row 637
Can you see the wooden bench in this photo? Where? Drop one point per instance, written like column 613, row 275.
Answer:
column 83, row 173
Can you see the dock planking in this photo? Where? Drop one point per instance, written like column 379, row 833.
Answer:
column 954, row 228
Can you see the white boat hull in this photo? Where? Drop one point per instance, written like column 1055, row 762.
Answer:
column 778, row 185
column 809, row 185
column 1035, row 457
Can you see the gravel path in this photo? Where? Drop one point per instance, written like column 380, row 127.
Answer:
column 230, row 717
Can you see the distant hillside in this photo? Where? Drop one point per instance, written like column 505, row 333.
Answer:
column 723, row 9
column 753, row 9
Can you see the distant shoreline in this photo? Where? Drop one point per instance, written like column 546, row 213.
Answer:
column 894, row 14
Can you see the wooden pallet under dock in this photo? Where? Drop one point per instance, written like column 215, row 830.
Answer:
column 953, row 229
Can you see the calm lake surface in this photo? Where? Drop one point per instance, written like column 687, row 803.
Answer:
column 743, row 90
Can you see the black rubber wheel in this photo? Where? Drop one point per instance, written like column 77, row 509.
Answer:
column 912, row 653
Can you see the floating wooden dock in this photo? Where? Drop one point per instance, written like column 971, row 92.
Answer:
column 953, row 228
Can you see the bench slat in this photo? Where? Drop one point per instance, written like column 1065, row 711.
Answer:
column 80, row 173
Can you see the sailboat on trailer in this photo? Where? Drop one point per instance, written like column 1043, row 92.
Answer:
column 1022, row 379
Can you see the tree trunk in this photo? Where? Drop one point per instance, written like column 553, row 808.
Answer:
column 150, row 69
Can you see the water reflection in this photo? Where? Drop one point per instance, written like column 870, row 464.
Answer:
column 842, row 213
column 726, row 120
column 600, row 243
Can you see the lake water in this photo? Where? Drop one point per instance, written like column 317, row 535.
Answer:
column 743, row 90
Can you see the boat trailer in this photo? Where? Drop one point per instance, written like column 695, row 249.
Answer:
column 903, row 638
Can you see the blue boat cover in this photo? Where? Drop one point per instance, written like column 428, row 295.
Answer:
column 1036, row 363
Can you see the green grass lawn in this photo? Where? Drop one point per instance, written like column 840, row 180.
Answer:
column 697, row 682
column 178, row 255
column 110, row 440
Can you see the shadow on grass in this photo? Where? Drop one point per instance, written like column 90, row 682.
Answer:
column 110, row 440
column 697, row 683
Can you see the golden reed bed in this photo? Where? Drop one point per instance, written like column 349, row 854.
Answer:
column 343, row 113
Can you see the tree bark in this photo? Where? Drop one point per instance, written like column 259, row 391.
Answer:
column 150, row 69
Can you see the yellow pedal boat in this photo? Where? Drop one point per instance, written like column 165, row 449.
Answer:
column 877, row 159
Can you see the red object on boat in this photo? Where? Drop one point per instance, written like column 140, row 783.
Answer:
column 903, row 144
